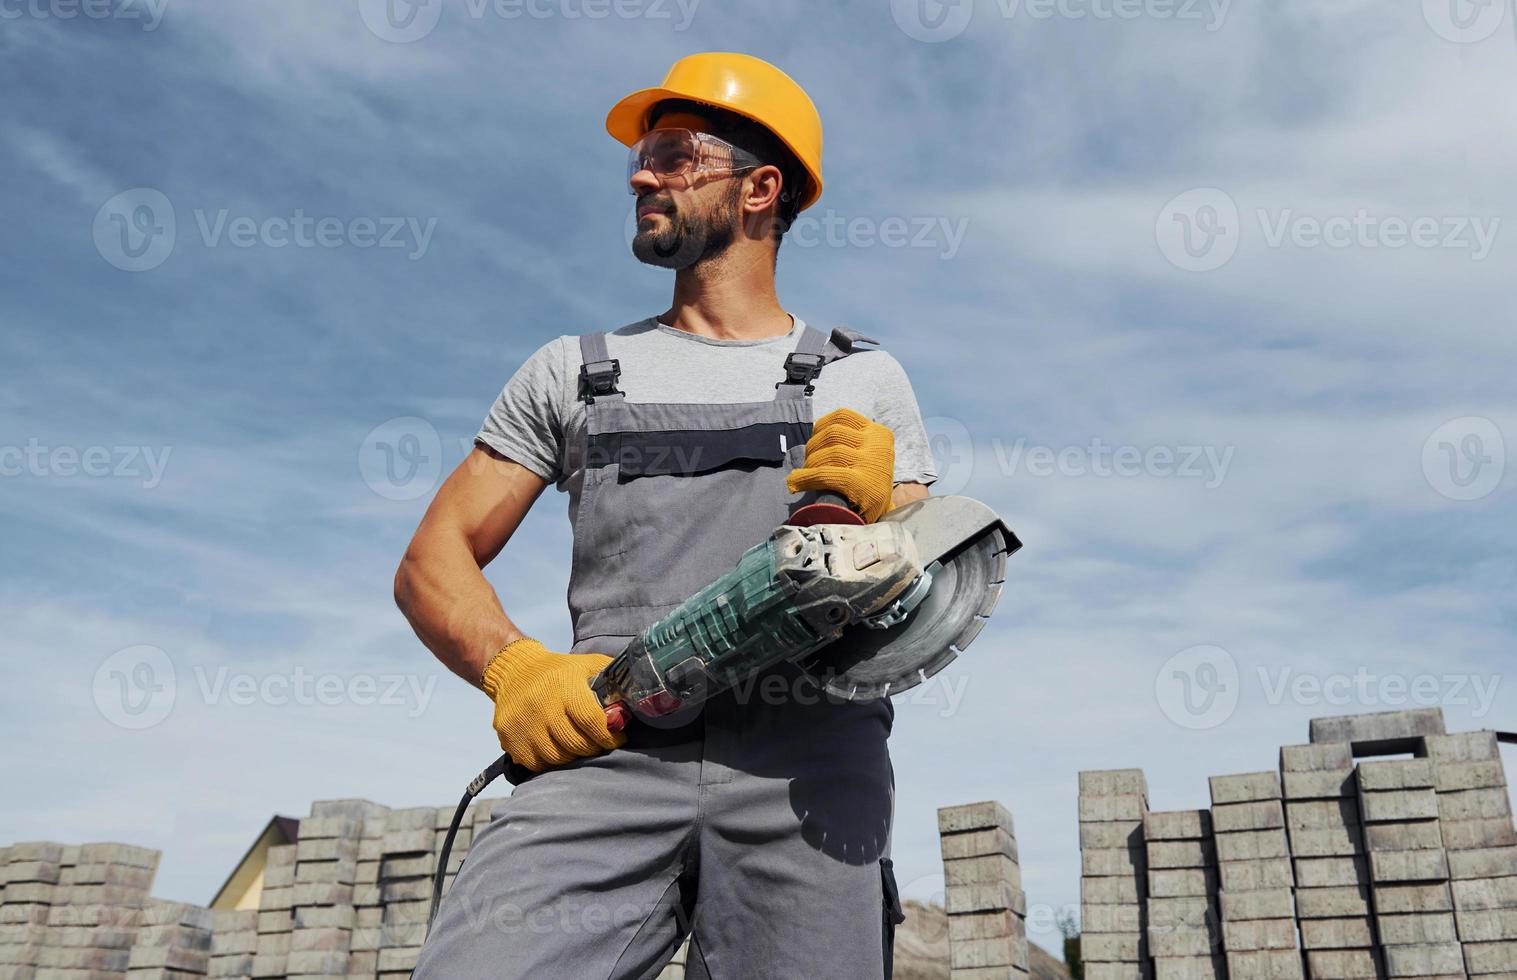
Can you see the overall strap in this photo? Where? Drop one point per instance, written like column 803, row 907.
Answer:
column 599, row 372
column 814, row 351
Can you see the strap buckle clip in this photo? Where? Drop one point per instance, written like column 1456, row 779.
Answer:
column 598, row 379
column 802, row 369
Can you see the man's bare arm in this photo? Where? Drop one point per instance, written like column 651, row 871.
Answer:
column 440, row 585
column 905, row 493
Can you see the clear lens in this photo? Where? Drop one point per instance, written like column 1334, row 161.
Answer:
column 669, row 153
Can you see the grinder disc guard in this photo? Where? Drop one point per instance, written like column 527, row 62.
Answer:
column 964, row 545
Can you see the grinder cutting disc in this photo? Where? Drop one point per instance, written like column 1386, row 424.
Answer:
column 964, row 544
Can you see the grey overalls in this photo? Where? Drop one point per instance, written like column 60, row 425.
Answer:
column 763, row 823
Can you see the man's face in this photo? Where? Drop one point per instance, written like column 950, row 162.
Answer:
column 690, row 221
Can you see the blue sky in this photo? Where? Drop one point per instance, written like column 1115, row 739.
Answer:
column 1211, row 301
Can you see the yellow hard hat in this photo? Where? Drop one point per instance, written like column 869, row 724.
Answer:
column 739, row 83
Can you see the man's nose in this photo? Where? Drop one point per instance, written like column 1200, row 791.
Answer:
column 643, row 182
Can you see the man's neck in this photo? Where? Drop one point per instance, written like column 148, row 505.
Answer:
column 731, row 297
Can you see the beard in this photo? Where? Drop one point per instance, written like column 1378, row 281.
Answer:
column 690, row 237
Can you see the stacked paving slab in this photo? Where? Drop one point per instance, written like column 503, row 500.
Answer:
column 1113, row 875
column 1257, row 881
column 1481, row 846
column 1183, row 916
column 1332, row 873
column 1343, row 866
column 348, row 900
column 987, row 910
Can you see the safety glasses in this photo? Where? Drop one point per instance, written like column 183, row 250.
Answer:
column 671, row 154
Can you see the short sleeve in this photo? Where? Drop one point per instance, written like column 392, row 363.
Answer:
column 895, row 406
column 526, row 423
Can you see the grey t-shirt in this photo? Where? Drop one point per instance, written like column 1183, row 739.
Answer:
column 539, row 411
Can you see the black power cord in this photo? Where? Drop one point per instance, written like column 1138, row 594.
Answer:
column 476, row 786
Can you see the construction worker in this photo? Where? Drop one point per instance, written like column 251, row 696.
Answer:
column 760, row 827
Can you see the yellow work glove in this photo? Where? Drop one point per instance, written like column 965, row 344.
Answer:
column 849, row 455
column 545, row 713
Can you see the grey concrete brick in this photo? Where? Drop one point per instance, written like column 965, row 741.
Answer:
column 1423, row 835
column 978, row 843
column 1392, row 899
column 1245, row 787
column 1350, row 933
column 1183, row 941
column 1177, row 825
column 1319, row 785
column 1393, row 866
column 326, row 849
column 1322, row 814
column 1109, row 891
column 975, row 871
column 1398, row 804
column 1344, row 964
column 1260, row 815
column 1414, row 928
column 1461, row 747
column 279, row 855
column 110, row 853
column 1427, row 960
column 1451, row 777
column 1474, row 804
column 1114, row 971
column 1108, row 947
column 328, row 828
column 1489, row 926
column 1109, row 918
column 1181, row 882
column 1269, row 964
column 330, row 917
column 1467, row 835
column 1113, row 862
column 1388, row 774
column 987, row 815
column 1190, row 968
column 1002, row 951
column 1252, row 875
column 414, row 818
column 1108, row 808
column 1166, row 913
column 1113, row 782
column 1256, row 934
column 1486, row 862
column 1181, row 854
column 677, row 972
column 958, row 898
column 1481, row 894
column 1379, row 731
column 353, row 809
column 1328, row 842
column 1325, row 757
column 1111, row 833
column 1251, row 845
column 317, row 962
column 1483, row 959
column 1336, row 872
column 1268, row 903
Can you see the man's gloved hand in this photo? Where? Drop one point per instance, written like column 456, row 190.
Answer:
column 545, row 713
column 849, row 455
